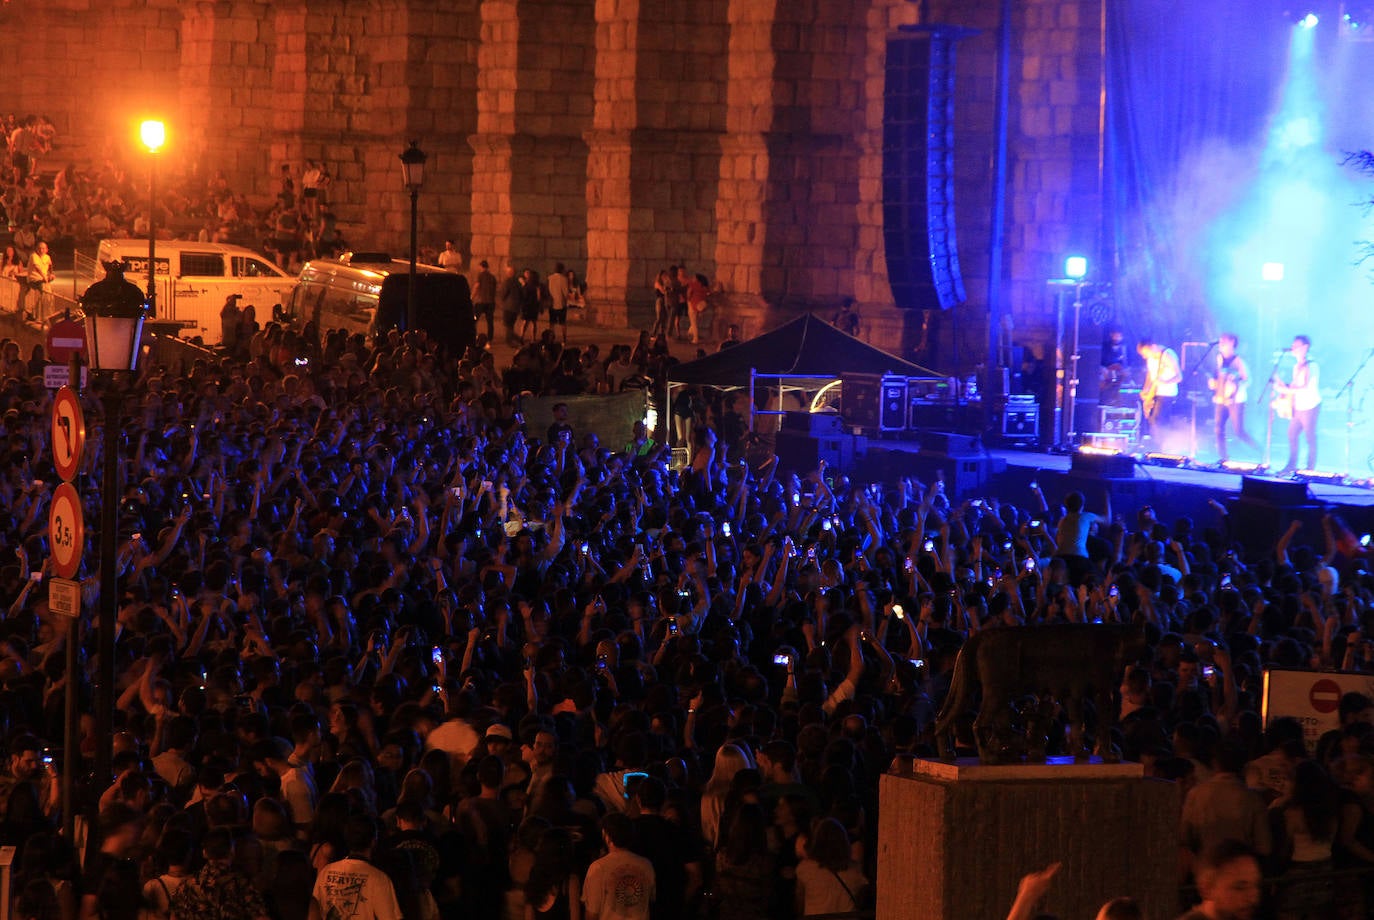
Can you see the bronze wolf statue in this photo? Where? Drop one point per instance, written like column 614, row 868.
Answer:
column 1064, row 661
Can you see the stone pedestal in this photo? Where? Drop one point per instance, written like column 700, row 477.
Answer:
column 954, row 840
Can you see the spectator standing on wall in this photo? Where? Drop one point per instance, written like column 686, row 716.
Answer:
column 451, row 260
column 484, row 297
column 531, row 300
column 558, row 300
column 508, row 296
column 41, row 277
column 698, row 289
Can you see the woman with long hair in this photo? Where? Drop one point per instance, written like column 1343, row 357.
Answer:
column 554, row 889
column 12, row 264
column 1306, row 820
column 745, row 867
column 730, row 759
column 828, row 881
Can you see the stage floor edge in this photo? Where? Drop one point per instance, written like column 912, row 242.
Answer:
column 1219, row 481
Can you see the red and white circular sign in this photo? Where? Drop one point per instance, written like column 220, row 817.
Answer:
column 68, row 433
column 1325, row 696
column 66, row 531
column 66, row 337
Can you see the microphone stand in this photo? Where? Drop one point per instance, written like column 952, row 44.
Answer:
column 1348, row 389
column 1186, row 385
column 1268, row 387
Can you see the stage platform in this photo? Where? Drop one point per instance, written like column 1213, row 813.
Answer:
column 1258, row 507
column 1222, row 482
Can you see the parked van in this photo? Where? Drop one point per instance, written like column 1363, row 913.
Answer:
column 367, row 292
column 193, row 279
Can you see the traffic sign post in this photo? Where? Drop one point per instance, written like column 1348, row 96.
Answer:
column 64, row 597
column 68, row 434
column 66, row 531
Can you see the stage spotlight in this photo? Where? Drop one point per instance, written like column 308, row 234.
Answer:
column 1076, row 267
column 1240, row 466
column 1321, row 476
column 1309, row 21
column 1271, row 271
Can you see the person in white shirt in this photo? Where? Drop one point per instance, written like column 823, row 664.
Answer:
column 352, row 888
column 1306, row 400
column 1162, row 375
column 619, row 885
column 40, row 278
column 451, row 260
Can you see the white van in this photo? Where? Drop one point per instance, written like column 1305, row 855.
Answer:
column 365, row 292
column 193, row 279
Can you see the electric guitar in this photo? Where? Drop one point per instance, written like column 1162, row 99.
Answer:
column 1224, row 386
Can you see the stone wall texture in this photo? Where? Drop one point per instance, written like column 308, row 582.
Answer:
column 742, row 138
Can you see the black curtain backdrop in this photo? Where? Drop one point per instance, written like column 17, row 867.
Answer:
column 1185, row 81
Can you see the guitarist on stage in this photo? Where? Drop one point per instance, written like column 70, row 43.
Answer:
column 1299, row 401
column 1162, row 375
column 1228, row 393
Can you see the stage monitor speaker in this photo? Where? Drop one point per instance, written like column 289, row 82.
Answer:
column 918, row 169
column 1102, row 466
column 1278, row 492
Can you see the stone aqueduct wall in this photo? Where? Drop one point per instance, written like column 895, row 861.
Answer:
column 740, row 136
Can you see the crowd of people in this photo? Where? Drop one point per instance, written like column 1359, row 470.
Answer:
column 69, row 207
column 383, row 651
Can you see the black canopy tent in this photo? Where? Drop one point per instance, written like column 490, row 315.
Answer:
column 806, row 352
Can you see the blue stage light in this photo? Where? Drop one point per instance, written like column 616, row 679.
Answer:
column 1076, row 267
column 1309, row 21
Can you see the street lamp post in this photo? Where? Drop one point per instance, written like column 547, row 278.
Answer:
column 154, row 135
column 413, row 175
column 115, row 311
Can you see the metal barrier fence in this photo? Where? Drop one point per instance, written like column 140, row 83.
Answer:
column 16, row 296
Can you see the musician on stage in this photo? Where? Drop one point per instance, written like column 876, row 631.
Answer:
column 1114, row 371
column 1300, row 401
column 1229, row 393
column 1162, row 375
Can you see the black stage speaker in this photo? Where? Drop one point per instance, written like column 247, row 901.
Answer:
column 951, row 444
column 816, row 424
column 1280, row 492
column 802, row 453
column 918, row 169
column 1102, row 466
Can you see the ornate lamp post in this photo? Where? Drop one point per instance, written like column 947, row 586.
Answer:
column 115, row 311
column 413, row 175
column 154, row 135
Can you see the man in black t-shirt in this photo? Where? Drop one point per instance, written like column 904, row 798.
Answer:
column 675, row 855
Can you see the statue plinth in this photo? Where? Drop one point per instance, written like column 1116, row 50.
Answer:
column 970, row 769
column 955, row 838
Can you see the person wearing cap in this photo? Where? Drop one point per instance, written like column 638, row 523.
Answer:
column 498, row 738
column 484, row 297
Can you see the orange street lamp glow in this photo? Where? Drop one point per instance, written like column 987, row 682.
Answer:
column 153, row 134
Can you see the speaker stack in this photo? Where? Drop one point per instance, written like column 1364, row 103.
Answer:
column 918, row 169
